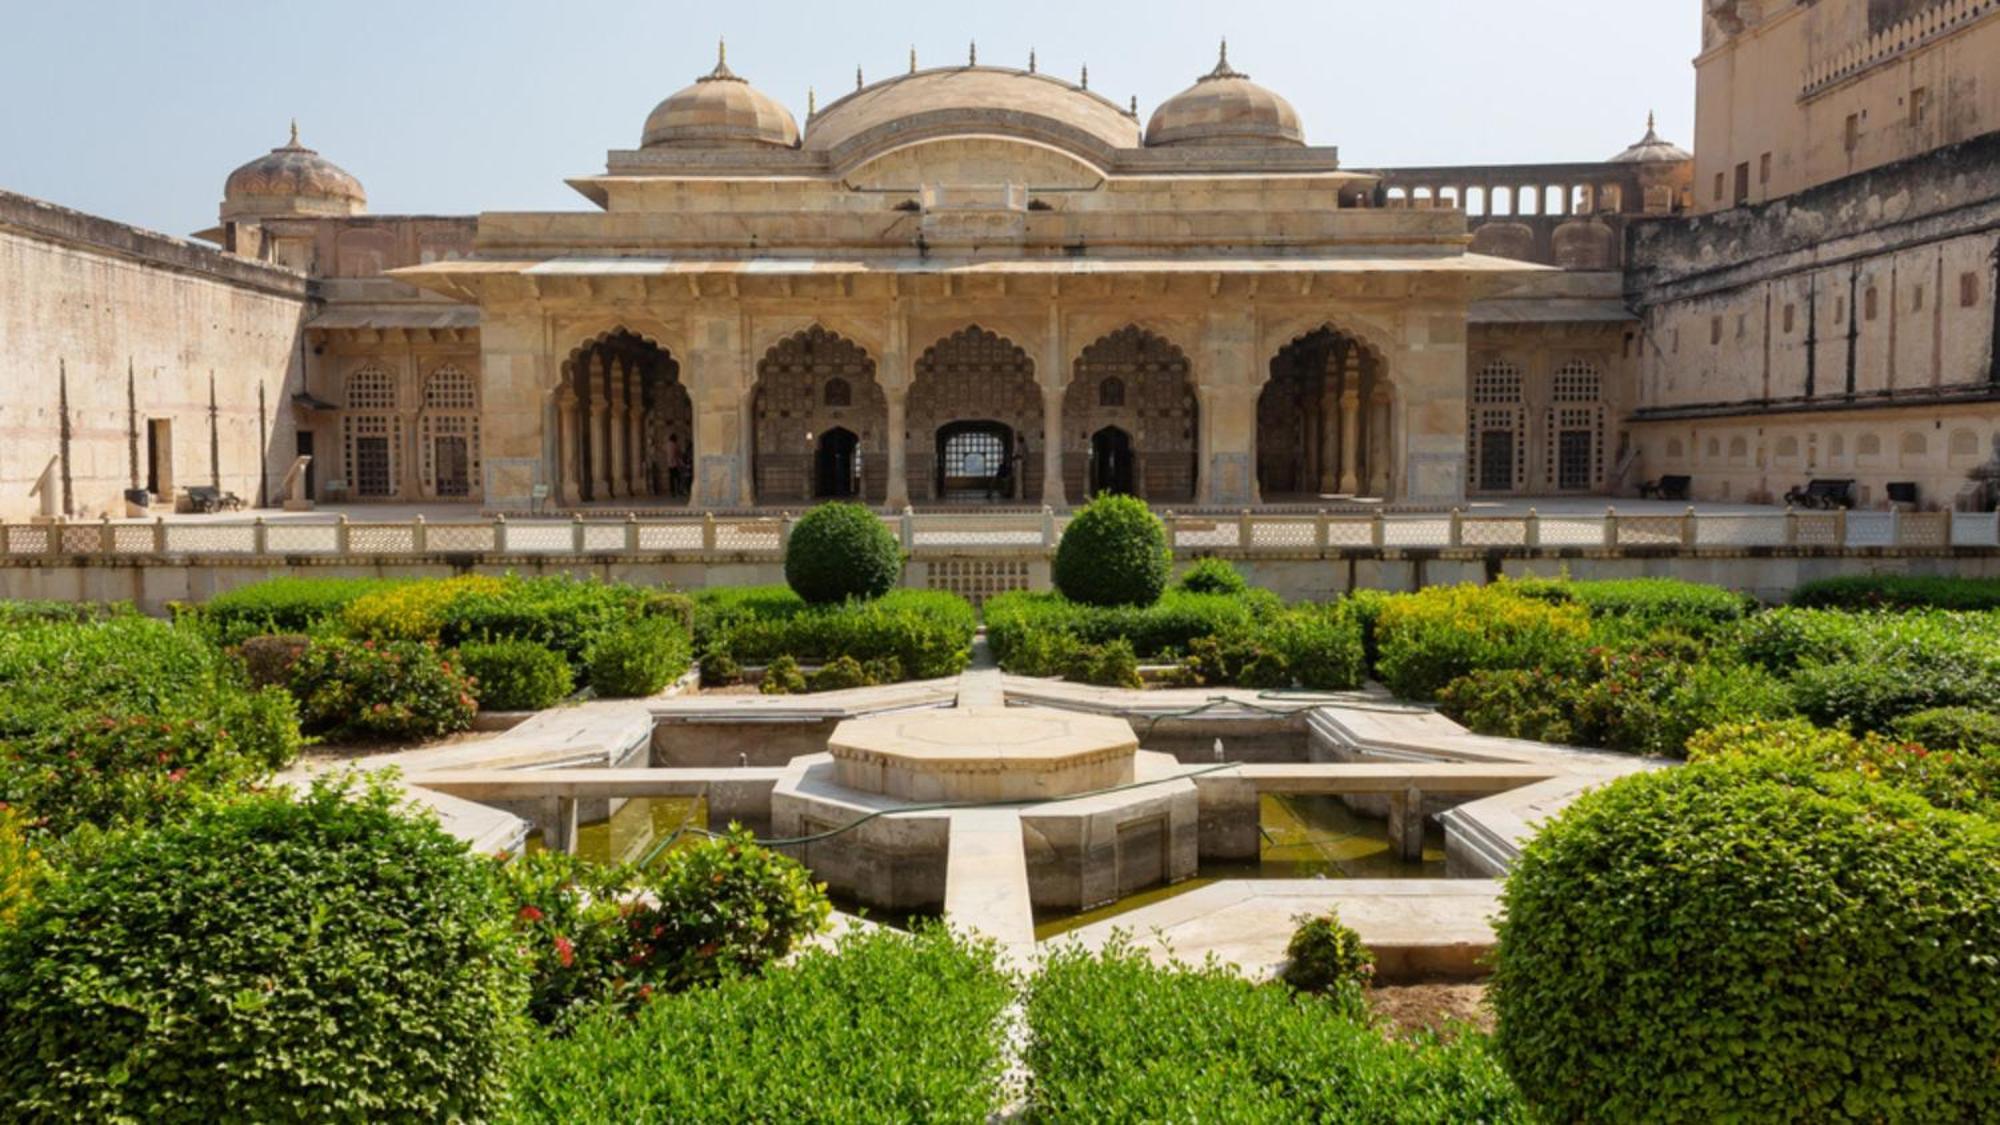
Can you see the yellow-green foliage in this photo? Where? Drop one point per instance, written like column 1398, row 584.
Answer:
column 20, row 868
column 413, row 611
column 1432, row 637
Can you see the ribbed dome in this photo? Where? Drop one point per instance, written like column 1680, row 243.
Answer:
column 293, row 177
column 1224, row 107
column 720, row 110
column 1652, row 150
column 971, row 100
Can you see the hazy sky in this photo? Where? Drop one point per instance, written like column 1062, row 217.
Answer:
column 138, row 109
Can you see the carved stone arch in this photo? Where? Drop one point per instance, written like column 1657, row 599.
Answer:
column 974, row 376
column 793, row 417
column 625, row 420
column 448, row 447
column 1158, row 412
column 772, row 331
column 1326, row 414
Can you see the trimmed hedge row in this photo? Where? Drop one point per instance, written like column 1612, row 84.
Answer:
column 1117, row 1038
column 1895, row 591
column 927, row 632
column 883, row 1027
column 1162, row 630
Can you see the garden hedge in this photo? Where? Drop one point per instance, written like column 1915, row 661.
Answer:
column 927, row 632
column 886, row 1026
column 842, row 551
column 1724, row 942
column 1428, row 639
column 324, row 956
column 515, row 675
column 1113, row 552
column 381, row 691
column 1895, row 591
column 639, row 658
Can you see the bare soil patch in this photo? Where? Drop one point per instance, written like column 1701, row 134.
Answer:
column 1433, row 1007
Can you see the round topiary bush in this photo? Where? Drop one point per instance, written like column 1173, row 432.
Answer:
column 1734, row 942
column 1213, row 576
column 639, row 658
column 1325, row 955
column 842, row 551
column 515, row 675
column 319, row 957
column 1113, row 553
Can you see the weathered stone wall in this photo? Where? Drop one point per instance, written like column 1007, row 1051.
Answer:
column 1846, row 332
column 132, row 329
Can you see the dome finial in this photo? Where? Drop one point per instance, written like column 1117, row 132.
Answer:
column 1222, row 57
column 857, row 76
column 1086, row 76
column 1134, row 110
column 1031, row 60
column 294, row 142
column 812, row 101
column 721, row 73
column 972, row 54
column 1222, row 67
column 913, row 58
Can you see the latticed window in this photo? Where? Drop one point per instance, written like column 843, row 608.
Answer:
column 1577, row 381
column 370, row 442
column 1497, row 384
column 371, row 388
column 974, row 453
column 450, row 388
column 1111, row 392
column 839, row 392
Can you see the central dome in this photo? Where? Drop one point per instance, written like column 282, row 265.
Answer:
column 971, row 100
column 1224, row 107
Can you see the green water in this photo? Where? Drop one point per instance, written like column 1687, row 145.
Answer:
column 1304, row 838
column 636, row 828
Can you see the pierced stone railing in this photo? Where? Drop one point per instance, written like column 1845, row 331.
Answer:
column 1893, row 41
column 1247, row 534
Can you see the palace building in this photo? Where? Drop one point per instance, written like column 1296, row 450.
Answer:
column 987, row 285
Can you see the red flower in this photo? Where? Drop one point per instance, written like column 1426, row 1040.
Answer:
column 565, row 951
column 530, row 914
column 178, row 775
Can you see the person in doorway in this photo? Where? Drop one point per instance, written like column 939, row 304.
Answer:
column 673, row 464
column 1001, row 483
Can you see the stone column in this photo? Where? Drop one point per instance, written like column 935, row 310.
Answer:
column 600, row 431
column 635, row 432
column 1381, row 452
column 1053, row 373
column 897, row 494
column 1328, row 417
column 620, row 413
column 569, row 454
column 1350, row 424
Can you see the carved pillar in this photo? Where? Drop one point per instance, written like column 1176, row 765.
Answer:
column 569, row 454
column 1328, row 418
column 897, row 496
column 635, row 431
column 620, row 452
column 1053, row 373
column 600, row 431
column 1381, row 445
column 1350, row 425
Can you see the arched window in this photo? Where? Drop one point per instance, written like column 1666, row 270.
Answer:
column 1576, row 427
column 1499, row 445
column 839, row 392
column 448, row 433
column 1111, row 392
column 371, row 432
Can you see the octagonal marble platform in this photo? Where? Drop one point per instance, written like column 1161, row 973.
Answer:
column 983, row 754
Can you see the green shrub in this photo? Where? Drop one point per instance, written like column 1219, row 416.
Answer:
column 882, row 670
column 1948, row 780
column 127, row 719
column 1117, row 1038
column 73, row 613
column 1110, row 664
column 1688, row 607
column 515, row 675
column 1432, row 637
column 1212, row 576
column 782, row 677
column 839, row 674
column 884, row 1027
column 1114, row 552
column 570, row 920
column 21, row 868
column 281, row 605
column 1631, row 702
column 319, row 956
column 1162, row 630
column 639, row 658
column 1365, row 607
column 1712, row 943
column 1872, row 695
column 562, row 614
column 1325, row 955
column 928, row 632
column 392, row 690
column 1897, row 591
column 1968, row 729
column 718, row 667
column 268, row 661
column 842, row 551
column 721, row 908
column 1784, row 640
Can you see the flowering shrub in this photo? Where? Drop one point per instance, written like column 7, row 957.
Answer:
column 413, row 611
column 1671, row 942
column 1432, row 637
column 389, row 690
column 571, row 918
column 280, row 605
column 1953, row 728
column 515, row 675
column 1798, row 749
column 319, row 956
column 1324, row 955
column 21, row 868
column 639, row 658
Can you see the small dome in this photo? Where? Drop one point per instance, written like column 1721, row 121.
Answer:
column 1224, row 107
column 293, row 178
column 1652, row 150
column 720, row 111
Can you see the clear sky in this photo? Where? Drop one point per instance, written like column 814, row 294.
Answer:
column 138, row 109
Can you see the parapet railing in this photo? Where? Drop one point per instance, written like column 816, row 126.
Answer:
column 1249, row 534
column 1890, row 42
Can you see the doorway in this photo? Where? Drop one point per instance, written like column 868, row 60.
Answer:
column 1111, row 462
column 1575, row 452
column 1496, row 461
column 452, row 455
column 304, row 448
column 974, row 461
column 837, row 465
column 160, row 456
